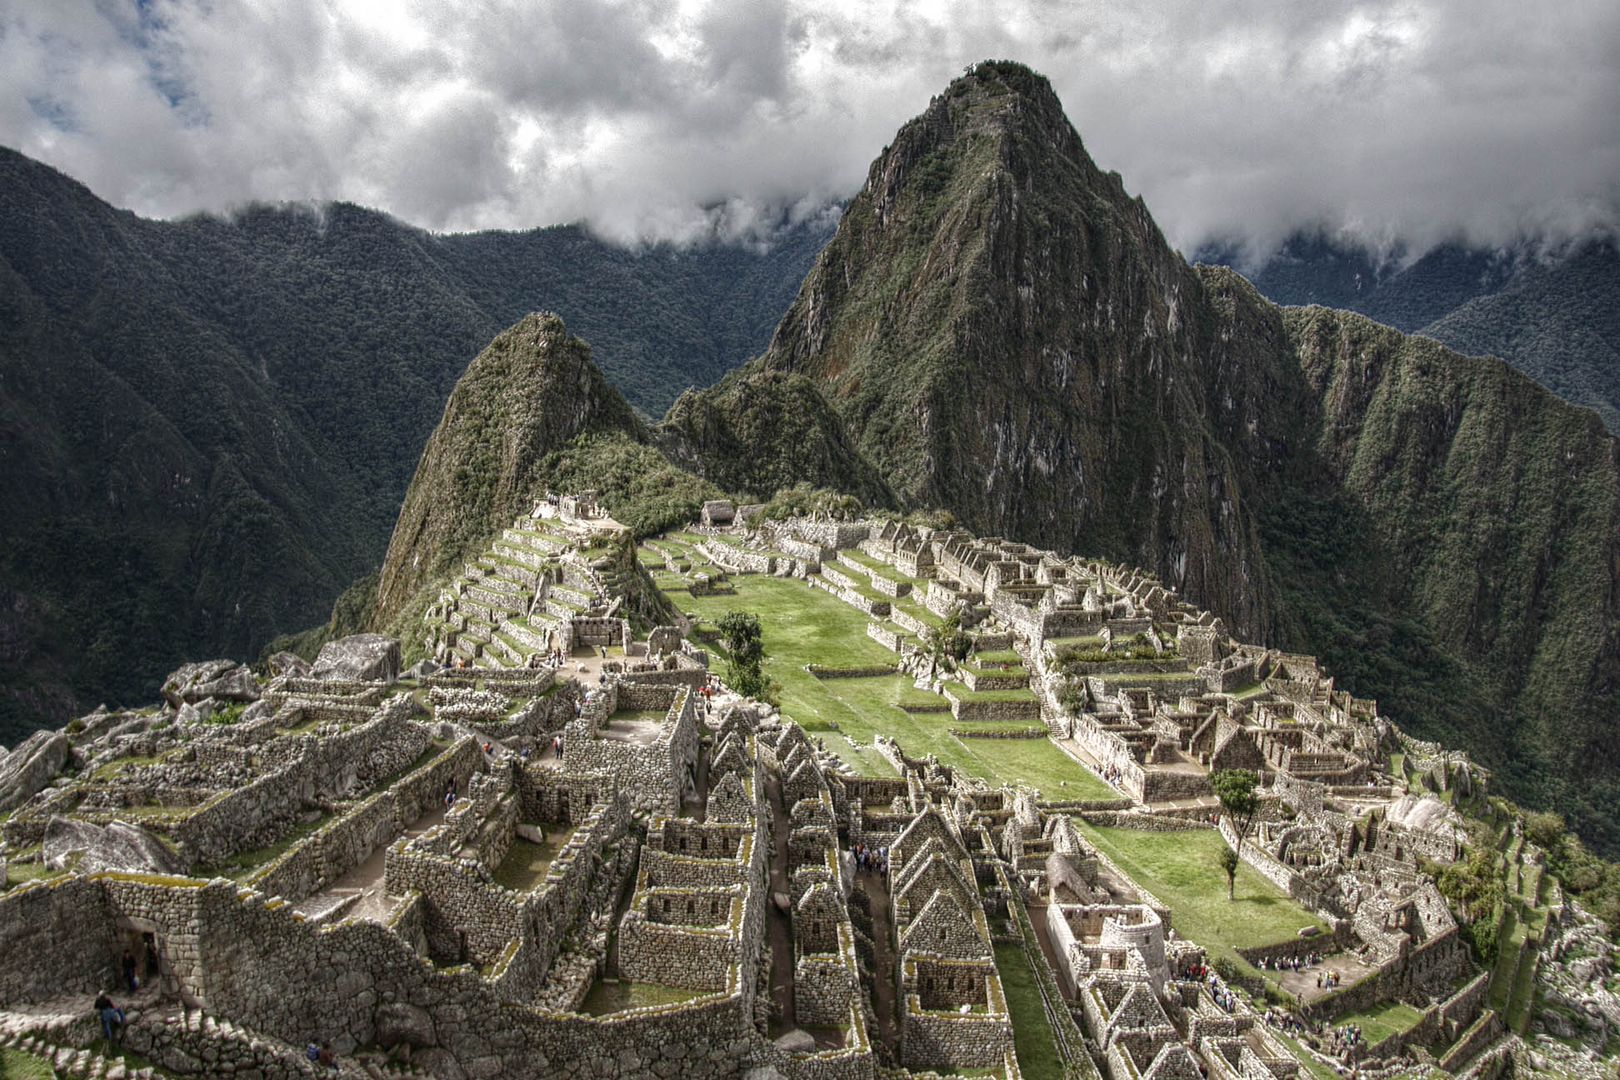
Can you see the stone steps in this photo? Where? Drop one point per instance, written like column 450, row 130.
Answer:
column 505, row 602
column 525, row 578
column 529, row 634
column 526, row 556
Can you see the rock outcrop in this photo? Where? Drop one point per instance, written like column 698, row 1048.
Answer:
column 27, row 769
column 118, row 846
column 225, row 680
column 358, row 658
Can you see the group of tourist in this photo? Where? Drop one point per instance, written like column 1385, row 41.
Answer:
column 1327, row 980
column 1290, row 963
column 1287, row 1022
column 1221, row 993
column 1195, row 971
column 871, row 860
column 1346, row 1038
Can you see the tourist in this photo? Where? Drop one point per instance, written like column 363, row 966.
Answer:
column 327, row 1058
column 131, row 983
column 112, row 1020
column 151, row 957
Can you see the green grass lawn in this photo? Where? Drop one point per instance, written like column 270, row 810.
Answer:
column 16, row 1065
column 612, row 997
column 526, row 864
column 1180, row 869
column 1032, row 1035
column 1381, row 1021
column 811, row 626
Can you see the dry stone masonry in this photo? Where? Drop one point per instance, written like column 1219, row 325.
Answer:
column 564, row 848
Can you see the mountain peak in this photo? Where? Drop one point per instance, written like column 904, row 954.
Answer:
column 530, row 392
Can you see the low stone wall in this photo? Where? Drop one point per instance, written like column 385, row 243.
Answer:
column 346, row 841
column 966, row 708
column 908, row 622
column 884, row 636
column 821, row 671
column 1142, row 822
column 1480, row 1034
column 1161, row 786
column 263, row 811
column 737, row 560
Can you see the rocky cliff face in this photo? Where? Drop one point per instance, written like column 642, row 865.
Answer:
column 1004, row 333
column 531, row 392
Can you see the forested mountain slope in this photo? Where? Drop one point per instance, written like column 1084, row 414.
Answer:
column 210, row 423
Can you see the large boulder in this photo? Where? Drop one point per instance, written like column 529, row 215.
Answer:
column 400, row 1022
column 360, row 658
column 27, row 769
column 286, row 663
column 119, row 846
column 225, row 680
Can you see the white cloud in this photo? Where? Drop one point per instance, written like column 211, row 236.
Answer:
column 1418, row 120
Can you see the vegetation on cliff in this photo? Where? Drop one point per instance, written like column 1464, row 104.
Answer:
column 208, row 424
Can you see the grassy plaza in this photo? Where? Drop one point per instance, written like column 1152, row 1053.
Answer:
column 804, row 625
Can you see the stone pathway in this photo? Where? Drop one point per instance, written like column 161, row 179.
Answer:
column 359, row 893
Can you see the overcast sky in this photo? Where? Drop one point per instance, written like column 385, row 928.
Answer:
column 1485, row 119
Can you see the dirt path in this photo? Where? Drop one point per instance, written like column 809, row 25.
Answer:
column 876, row 888
column 365, row 881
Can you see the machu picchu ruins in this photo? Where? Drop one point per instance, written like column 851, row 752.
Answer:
column 558, row 843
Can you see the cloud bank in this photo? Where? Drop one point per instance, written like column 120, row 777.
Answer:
column 1482, row 120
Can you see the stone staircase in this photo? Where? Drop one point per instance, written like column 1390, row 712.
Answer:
column 170, row 1041
column 506, row 605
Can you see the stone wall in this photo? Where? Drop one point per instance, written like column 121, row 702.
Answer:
column 55, row 938
column 346, row 841
column 969, row 708
column 654, row 774
column 699, row 957
column 261, row 812
column 255, row 950
column 833, row 534
column 464, row 900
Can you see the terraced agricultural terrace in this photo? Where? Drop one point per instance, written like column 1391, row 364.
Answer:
column 975, row 834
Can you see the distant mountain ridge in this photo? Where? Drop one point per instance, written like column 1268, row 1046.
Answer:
column 209, row 423
column 1553, row 315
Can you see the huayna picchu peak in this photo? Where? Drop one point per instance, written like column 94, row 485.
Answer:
column 1043, row 659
